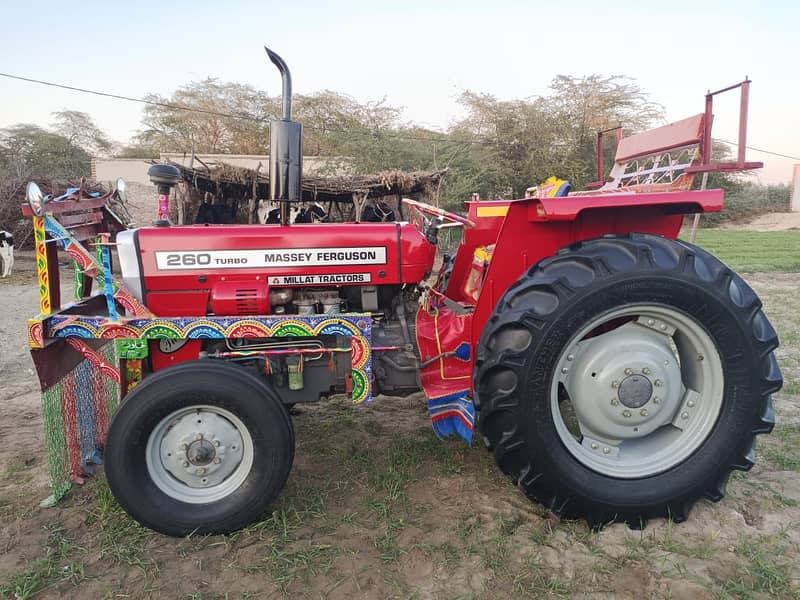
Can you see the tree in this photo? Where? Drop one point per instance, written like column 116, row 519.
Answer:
column 519, row 143
column 80, row 130
column 229, row 118
column 582, row 106
column 30, row 151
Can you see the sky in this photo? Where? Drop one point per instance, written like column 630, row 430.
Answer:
column 420, row 55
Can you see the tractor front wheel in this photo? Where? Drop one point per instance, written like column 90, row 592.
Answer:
column 202, row 447
column 624, row 378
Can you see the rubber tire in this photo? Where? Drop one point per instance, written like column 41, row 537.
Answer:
column 199, row 382
column 537, row 316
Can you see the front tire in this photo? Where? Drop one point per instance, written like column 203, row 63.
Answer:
column 624, row 378
column 202, row 447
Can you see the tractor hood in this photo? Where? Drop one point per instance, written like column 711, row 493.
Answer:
column 173, row 269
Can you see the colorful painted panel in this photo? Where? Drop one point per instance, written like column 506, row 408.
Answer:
column 358, row 327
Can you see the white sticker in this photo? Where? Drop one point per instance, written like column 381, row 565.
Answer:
column 332, row 279
column 270, row 257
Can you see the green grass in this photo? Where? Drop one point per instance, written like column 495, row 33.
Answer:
column 56, row 565
column 766, row 571
column 783, row 449
column 752, row 251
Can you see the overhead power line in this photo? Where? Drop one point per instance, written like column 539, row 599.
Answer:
column 402, row 136
column 760, row 150
column 129, row 98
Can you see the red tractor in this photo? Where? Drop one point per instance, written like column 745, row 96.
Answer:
column 615, row 372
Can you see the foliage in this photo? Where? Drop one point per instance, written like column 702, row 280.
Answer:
column 526, row 141
column 226, row 118
column 80, row 130
column 499, row 149
column 29, row 151
column 745, row 200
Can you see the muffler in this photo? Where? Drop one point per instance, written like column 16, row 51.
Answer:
column 285, row 147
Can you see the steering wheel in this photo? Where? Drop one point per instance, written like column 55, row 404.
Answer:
column 429, row 219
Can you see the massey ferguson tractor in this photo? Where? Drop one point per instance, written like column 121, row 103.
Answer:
column 615, row 372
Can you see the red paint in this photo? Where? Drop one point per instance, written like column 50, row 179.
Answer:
column 532, row 230
column 161, row 360
column 187, row 292
column 740, row 164
column 686, row 132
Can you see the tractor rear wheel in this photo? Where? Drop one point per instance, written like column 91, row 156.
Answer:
column 202, row 447
column 624, row 378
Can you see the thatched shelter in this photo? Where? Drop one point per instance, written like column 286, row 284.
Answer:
column 343, row 196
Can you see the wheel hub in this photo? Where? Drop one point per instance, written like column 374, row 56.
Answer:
column 201, row 449
column 623, row 384
column 201, row 452
column 635, row 391
column 642, row 395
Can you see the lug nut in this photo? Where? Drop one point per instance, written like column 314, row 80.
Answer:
column 217, row 460
column 606, row 450
column 685, row 415
column 643, row 412
column 628, row 371
column 594, row 446
column 662, row 327
column 646, row 371
column 651, row 322
column 570, row 357
column 216, row 443
column 658, row 383
column 185, row 463
column 626, row 413
column 615, row 384
column 690, row 403
column 614, row 402
column 201, row 471
column 564, row 370
column 184, row 446
column 656, row 400
column 198, row 436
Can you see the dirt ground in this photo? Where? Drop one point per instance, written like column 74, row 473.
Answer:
column 377, row 507
column 789, row 221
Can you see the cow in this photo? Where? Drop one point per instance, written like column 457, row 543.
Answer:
column 378, row 212
column 269, row 212
column 6, row 252
column 215, row 213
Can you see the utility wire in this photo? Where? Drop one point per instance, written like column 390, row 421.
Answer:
column 402, row 136
column 130, row 99
column 759, row 150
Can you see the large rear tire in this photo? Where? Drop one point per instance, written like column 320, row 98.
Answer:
column 202, row 447
column 624, row 378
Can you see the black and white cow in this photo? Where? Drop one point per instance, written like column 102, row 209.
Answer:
column 377, row 212
column 269, row 212
column 6, row 252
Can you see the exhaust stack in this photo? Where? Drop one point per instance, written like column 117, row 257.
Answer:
column 285, row 147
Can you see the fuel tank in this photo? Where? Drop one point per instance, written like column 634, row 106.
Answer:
column 180, row 271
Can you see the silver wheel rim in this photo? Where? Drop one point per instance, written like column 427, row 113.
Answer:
column 199, row 454
column 641, row 397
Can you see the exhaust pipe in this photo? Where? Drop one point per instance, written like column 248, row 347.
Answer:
column 285, row 147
